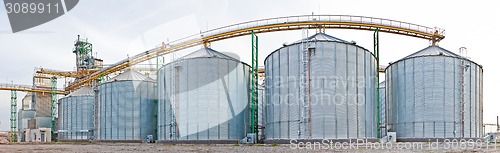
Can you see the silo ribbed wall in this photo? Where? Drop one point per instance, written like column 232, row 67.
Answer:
column 76, row 118
column 339, row 101
column 126, row 110
column 205, row 97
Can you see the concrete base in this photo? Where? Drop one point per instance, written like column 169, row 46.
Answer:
column 73, row 140
column 198, row 141
column 120, row 141
column 434, row 139
column 287, row 141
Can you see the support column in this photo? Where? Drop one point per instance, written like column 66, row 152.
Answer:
column 13, row 116
column 54, row 109
column 254, row 125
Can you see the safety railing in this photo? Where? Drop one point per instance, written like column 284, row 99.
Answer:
column 313, row 18
column 19, row 87
column 290, row 20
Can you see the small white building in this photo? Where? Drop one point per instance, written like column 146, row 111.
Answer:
column 37, row 135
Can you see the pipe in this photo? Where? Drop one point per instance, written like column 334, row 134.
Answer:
column 463, row 100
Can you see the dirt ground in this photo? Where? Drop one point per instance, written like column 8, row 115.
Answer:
column 145, row 148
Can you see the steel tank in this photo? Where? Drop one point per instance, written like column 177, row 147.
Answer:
column 435, row 93
column 126, row 107
column 76, row 115
column 321, row 87
column 204, row 96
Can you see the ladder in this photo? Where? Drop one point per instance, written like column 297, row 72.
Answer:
column 464, row 67
column 174, row 79
column 175, row 89
column 304, row 85
column 462, row 95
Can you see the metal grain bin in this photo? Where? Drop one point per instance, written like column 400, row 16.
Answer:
column 435, row 93
column 76, row 115
column 321, row 87
column 203, row 96
column 126, row 107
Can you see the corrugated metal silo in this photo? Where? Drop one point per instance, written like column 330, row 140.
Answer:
column 76, row 115
column 203, row 96
column 435, row 93
column 321, row 87
column 126, row 108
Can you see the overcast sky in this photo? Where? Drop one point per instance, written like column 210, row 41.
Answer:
column 118, row 28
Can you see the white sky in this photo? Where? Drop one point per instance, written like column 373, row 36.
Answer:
column 120, row 27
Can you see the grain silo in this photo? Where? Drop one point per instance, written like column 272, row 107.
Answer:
column 126, row 106
column 321, row 87
column 203, row 96
column 76, row 115
column 434, row 93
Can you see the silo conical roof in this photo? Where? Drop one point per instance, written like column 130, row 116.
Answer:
column 207, row 52
column 131, row 75
column 433, row 50
column 322, row 37
column 84, row 91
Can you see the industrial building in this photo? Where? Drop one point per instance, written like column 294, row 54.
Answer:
column 24, row 118
column 25, row 114
column 35, row 114
column 37, row 135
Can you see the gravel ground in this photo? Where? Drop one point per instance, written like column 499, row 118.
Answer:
column 144, row 148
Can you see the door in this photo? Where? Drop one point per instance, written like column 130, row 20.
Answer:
column 43, row 137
